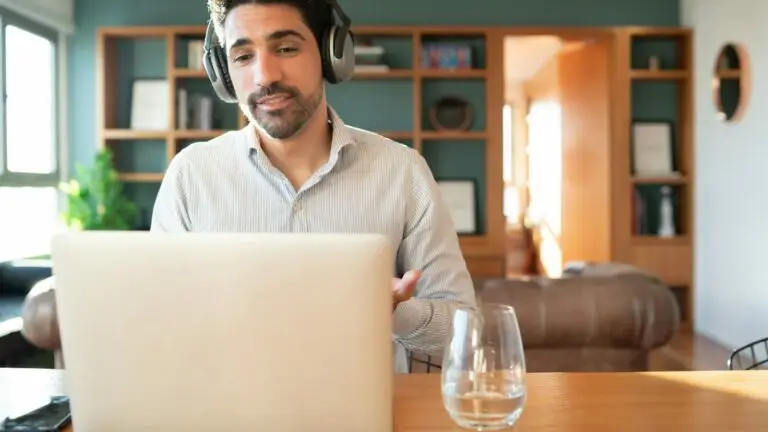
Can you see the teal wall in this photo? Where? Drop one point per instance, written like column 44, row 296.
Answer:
column 90, row 14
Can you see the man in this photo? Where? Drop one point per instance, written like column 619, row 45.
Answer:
column 298, row 168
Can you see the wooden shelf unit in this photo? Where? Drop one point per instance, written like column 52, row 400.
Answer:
column 663, row 94
column 485, row 251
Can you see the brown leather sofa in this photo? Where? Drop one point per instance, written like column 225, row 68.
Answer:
column 589, row 323
column 602, row 318
column 605, row 318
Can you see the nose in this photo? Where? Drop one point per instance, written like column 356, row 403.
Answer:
column 266, row 70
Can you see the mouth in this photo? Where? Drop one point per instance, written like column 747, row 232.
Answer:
column 274, row 102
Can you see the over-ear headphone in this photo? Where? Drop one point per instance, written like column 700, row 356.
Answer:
column 337, row 51
column 337, row 48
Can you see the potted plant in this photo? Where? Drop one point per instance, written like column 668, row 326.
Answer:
column 95, row 198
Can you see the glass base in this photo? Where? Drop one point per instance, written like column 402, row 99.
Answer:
column 487, row 424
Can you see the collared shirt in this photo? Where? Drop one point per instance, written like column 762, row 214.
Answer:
column 369, row 184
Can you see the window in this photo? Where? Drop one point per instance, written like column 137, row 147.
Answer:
column 511, row 197
column 29, row 143
column 507, row 130
column 545, row 163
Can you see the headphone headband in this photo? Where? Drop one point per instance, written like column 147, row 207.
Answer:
column 338, row 46
column 210, row 35
column 346, row 23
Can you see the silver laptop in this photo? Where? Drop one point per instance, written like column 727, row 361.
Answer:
column 226, row 332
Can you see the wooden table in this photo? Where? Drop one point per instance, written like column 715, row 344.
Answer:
column 721, row 401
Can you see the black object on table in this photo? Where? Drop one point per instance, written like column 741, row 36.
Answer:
column 51, row 417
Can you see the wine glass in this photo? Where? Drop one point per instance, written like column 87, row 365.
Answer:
column 483, row 371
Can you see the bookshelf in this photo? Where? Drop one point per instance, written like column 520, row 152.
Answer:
column 394, row 103
column 655, row 81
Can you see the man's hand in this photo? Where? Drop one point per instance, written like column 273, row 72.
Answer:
column 402, row 289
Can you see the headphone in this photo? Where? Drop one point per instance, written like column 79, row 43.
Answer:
column 337, row 51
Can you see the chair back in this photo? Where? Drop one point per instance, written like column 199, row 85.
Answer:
column 751, row 356
column 419, row 363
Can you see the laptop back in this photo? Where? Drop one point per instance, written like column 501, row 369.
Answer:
column 230, row 332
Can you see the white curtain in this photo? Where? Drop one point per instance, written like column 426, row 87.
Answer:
column 57, row 14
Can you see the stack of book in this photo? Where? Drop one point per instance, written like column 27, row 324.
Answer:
column 370, row 59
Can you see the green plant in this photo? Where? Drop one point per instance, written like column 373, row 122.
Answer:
column 95, row 198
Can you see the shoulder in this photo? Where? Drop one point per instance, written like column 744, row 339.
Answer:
column 211, row 155
column 228, row 144
column 382, row 148
column 397, row 160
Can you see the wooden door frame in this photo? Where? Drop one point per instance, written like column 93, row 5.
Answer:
column 607, row 35
column 494, row 245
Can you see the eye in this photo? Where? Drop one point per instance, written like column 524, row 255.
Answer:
column 287, row 50
column 242, row 58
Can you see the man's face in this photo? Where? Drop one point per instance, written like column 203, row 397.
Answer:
column 275, row 67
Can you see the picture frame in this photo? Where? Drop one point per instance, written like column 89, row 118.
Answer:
column 652, row 144
column 150, row 105
column 460, row 195
column 447, row 56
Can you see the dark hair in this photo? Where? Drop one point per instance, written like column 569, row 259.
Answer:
column 317, row 14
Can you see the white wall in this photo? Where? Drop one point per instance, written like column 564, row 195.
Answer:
column 56, row 13
column 731, row 200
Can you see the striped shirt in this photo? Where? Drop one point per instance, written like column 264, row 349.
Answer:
column 369, row 184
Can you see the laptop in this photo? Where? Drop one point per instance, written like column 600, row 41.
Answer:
column 225, row 332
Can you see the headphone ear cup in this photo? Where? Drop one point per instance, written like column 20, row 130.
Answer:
column 215, row 64
column 337, row 70
column 226, row 80
column 326, row 55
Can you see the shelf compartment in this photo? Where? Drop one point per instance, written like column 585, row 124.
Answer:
column 472, row 91
column 139, row 156
column 646, row 207
column 475, row 41
column 125, row 61
column 464, row 160
column 669, row 48
column 387, row 105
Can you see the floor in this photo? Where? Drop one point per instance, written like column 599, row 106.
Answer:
column 689, row 351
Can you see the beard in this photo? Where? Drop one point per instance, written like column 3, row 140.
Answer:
column 287, row 121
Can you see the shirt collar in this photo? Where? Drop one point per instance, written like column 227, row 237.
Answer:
column 340, row 137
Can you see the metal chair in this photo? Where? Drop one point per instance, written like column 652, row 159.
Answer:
column 425, row 361
column 751, row 356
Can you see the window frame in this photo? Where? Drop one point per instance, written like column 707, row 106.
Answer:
column 14, row 179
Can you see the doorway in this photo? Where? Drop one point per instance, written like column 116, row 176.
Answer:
column 556, row 85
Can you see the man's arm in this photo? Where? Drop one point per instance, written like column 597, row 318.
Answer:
column 430, row 245
column 170, row 211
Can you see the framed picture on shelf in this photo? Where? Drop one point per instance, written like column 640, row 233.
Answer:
column 150, row 105
column 653, row 149
column 460, row 195
column 446, row 56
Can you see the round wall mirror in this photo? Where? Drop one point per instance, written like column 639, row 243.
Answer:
column 731, row 82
